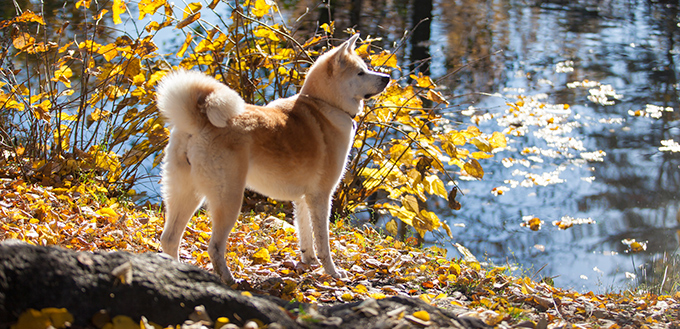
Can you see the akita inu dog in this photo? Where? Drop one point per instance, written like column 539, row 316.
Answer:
column 292, row 149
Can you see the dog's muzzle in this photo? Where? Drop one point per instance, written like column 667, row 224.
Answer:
column 384, row 80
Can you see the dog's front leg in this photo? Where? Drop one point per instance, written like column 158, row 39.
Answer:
column 319, row 207
column 303, row 225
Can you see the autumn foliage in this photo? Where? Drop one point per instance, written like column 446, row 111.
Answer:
column 79, row 110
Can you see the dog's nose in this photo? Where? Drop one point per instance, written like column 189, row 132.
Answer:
column 385, row 80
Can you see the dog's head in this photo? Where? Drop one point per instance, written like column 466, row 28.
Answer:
column 341, row 77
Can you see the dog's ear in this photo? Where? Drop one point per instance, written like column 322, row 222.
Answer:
column 340, row 57
column 350, row 44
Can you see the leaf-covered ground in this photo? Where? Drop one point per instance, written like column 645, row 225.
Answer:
column 263, row 252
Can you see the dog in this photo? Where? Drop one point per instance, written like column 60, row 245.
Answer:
column 294, row 149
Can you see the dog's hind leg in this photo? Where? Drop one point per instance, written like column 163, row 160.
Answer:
column 225, row 196
column 180, row 206
column 179, row 195
column 303, row 224
column 319, row 209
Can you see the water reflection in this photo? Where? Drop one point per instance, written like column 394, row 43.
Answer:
column 628, row 45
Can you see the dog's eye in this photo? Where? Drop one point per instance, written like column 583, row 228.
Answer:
column 361, row 73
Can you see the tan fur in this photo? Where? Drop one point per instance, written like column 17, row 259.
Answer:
column 293, row 149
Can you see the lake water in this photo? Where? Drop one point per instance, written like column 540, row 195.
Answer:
column 632, row 193
column 613, row 63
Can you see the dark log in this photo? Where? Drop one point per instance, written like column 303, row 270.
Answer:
column 167, row 292
column 161, row 289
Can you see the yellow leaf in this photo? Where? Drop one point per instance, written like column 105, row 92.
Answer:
column 67, row 117
column 62, row 133
column 425, row 298
column 435, row 186
column 261, row 8
column 191, row 9
column 359, row 239
column 155, row 77
column 108, row 51
column 360, row 289
column 498, row 140
column 118, row 8
column 22, row 41
column 410, row 203
column 404, row 215
column 97, row 115
column 265, row 33
column 392, row 227
column 32, row 319
column 149, row 7
column 221, row 321
column 534, row 223
column 363, row 50
column 457, row 138
column 185, row 45
column 436, row 97
column 384, row 59
column 84, row 3
column 347, row 296
column 454, row 268
column 42, row 110
column 59, row 317
column 423, row 81
column 29, row 16
column 447, row 229
column 474, row 169
column 124, row 322
column 377, row 295
column 423, row 315
column 63, row 74
column 101, row 14
column 427, row 221
column 438, row 250
column 261, row 256
column 481, row 155
column 473, row 131
column 132, row 67
column 328, row 28
column 107, row 212
column 481, row 144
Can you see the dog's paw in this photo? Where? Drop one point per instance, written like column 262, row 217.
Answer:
column 240, row 284
column 339, row 274
column 225, row 275
column 310, row 260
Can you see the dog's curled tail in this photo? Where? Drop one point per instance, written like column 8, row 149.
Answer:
column 190, row 99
